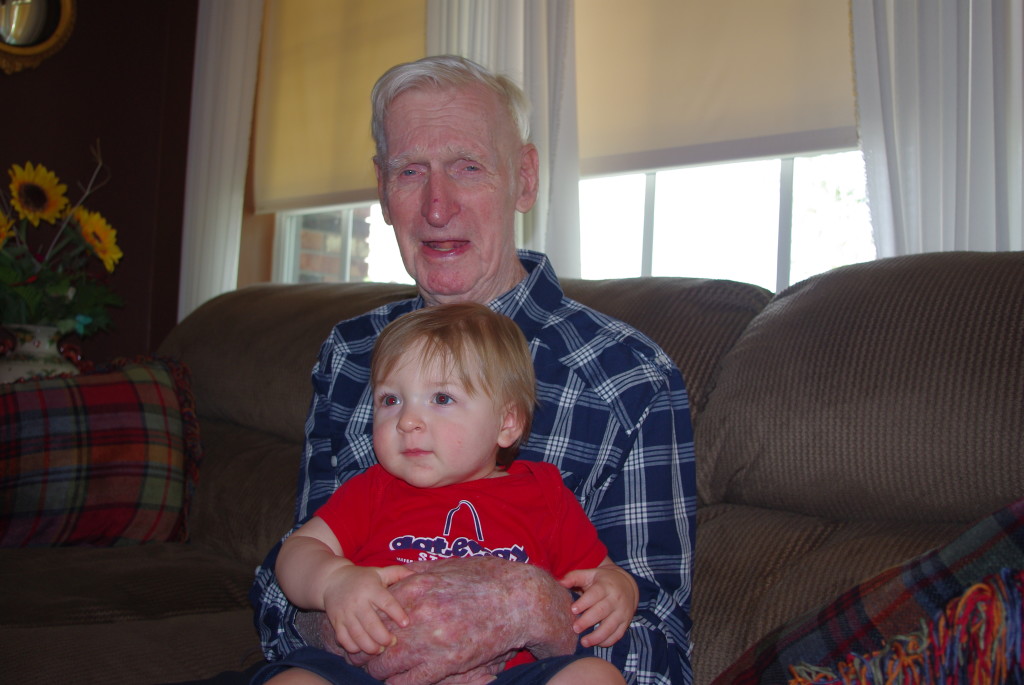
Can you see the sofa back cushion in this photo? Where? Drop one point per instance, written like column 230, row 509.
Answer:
column 252, row 350
column 694, row 320
column 890, row 390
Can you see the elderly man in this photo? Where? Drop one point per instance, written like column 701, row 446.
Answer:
column 453, row 166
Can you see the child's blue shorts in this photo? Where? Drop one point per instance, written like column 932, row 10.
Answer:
column 334, row 669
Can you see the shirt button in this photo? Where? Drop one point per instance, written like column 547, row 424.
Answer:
column 334, row 461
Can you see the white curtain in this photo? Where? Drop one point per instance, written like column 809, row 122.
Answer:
column 939, row 99
column 223, row 87
column 532, row 42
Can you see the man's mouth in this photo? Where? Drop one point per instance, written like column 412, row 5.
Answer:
column 445, row 245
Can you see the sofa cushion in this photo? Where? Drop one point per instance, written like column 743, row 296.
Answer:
column 245, row 501
column 105, row 458
column 85, row 585
column 126, row 615
column 756, row 568
column 891, row 390
column 172, row 649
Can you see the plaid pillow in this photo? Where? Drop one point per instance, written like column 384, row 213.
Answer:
column 105, row 458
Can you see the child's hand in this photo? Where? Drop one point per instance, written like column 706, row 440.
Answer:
column 352, row 596
column 608, row 601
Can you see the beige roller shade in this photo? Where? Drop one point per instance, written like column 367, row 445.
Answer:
column 666, row 82
column 318, row 61
column 660, row 83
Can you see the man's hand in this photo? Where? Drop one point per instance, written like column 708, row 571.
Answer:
column 608, row 602
column 467, row 617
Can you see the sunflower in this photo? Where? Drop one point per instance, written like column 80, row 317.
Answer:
column 100, row 236
column 6, row 228
column 37, row 193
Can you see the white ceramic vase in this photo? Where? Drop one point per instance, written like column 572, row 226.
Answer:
column 36, row 354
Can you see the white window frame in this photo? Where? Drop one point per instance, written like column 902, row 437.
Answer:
column 287, row 241
column 783, row 259
column 784, row 147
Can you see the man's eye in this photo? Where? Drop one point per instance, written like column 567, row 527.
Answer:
column 443, row 398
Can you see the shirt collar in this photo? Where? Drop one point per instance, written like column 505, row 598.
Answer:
column 532, row 300
column 529, row 302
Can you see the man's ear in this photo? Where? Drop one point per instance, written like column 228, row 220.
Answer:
column 382, row 192
column 529, row 174
column 511, row 428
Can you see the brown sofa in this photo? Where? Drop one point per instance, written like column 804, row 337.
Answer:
column 842, row 426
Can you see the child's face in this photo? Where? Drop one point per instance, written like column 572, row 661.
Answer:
column 429, row 431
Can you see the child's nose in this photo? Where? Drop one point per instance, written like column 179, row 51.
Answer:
column 410, row 420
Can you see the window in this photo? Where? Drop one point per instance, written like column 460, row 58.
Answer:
column 337, row 244
column 831, row 219
column 724, row 220
column 771, row 222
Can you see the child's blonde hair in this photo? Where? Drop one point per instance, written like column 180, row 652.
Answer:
column 467, row 337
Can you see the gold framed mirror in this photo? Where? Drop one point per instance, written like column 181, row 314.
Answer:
column 32, row 30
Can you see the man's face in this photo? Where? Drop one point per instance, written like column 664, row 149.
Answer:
column 455, row 175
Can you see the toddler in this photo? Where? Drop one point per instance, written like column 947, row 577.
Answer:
column 454, row 393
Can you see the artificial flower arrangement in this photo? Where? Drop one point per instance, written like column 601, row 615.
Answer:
column 49, row 274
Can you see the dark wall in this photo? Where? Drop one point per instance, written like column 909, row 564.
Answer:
column 123, row 78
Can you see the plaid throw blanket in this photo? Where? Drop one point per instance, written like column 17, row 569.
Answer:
column 976, row 641
column 894, row 603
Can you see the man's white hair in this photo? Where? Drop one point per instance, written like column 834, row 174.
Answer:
column 443, row 71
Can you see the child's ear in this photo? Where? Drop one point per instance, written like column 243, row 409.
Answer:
column 511, row 428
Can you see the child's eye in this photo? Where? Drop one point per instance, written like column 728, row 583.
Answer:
column 388, row 400
column 443, row 398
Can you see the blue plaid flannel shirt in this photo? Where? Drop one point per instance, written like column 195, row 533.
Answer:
column 614, row 417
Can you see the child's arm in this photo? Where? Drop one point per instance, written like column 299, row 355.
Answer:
column 609, row 598
column 314, row 574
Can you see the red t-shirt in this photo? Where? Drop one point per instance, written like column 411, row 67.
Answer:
column 527, row 515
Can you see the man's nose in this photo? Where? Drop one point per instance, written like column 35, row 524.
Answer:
column 440, row 203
